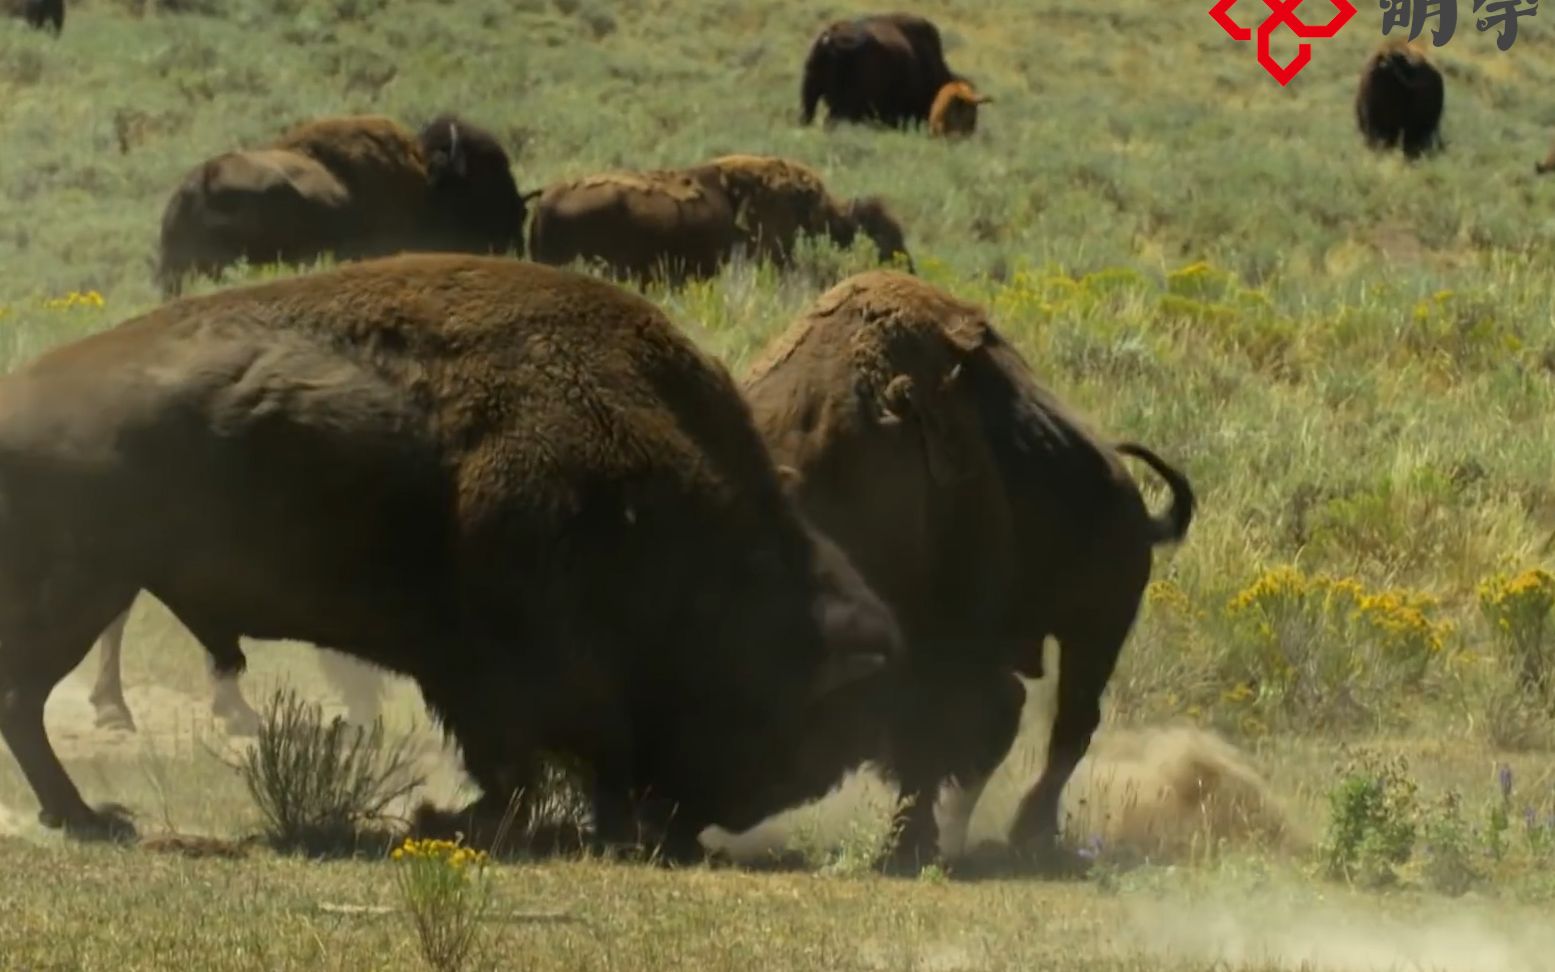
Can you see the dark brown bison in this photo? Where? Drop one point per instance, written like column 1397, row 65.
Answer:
column 883, row 68
column 984, row 512
column 954, row 112
column 521, row 487
column 359, row 688
column 38, row 13
column 686, row 224
column 1548, row 165
column 1398, row 102
column 355, row 187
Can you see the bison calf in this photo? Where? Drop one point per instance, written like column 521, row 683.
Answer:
column 523, row 488
column 687, row 224
column 954, row 112
column 1398, row 101
column 985, row 513
column 354, row 187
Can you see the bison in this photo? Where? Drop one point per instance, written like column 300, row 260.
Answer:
column 686, row 224
column 1548, row 165
column 985, row 513
column 884, row 68
column 1398, row 102
column 954, row 112
column 355, row 187
column 38, row 13
column 360, row 689
column 521, row 487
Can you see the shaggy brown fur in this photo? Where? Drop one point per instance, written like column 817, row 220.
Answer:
column 779, row 200
column 523, row 488
column 355, row 186
column 1398, row 101
column 674, row 225
column 980, row 508
column 954, row 113
column 884, row 68
column 686, row 224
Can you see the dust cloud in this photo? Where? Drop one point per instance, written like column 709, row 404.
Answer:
column 1346, row 933
column 1168, row 793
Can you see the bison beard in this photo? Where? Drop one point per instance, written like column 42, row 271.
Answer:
column 988, row 517
column 518, row 486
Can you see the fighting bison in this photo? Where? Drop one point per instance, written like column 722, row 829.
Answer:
column 521, row 487
column 685, row 224
column 1398, row 102
column 954, row 112
column 985, row 513
column 359, row 687
column 355, row 186
column 883, row 68
column 38, row 13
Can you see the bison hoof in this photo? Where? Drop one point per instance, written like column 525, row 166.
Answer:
column 110, row 822
column 115, row 718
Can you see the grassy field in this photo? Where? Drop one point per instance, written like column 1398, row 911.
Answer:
column 1352, row 358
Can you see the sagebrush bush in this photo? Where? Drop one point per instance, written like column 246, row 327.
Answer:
column 322, row 786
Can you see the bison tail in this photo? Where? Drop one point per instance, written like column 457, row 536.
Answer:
column 1171, row 526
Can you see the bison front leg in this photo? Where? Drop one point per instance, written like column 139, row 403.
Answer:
column 956, row 728
column 34, row 657
column 107, row 698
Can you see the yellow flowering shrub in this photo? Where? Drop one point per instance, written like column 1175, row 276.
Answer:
column 75, row 299
column 1518, row 611
column 445, row 888
column 1318, row 645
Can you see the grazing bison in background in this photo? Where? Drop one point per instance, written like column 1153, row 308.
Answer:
column 1548, row 165
column 687, row 223
column 359, row 688
column 1398, row 102
column 985, row 513
column 355, row 186
column 884, row 68
column 954, row 112
column 521, row 487
column 38, row 13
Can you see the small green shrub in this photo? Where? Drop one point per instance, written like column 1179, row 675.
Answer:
column 1448, row 844
column 1371, row 822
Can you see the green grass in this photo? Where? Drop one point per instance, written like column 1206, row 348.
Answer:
column 1353, row 359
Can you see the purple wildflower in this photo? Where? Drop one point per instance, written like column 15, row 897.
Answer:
column 1504, row 778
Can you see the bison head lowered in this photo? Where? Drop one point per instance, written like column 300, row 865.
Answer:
column 870, row 215
column 473, row 203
